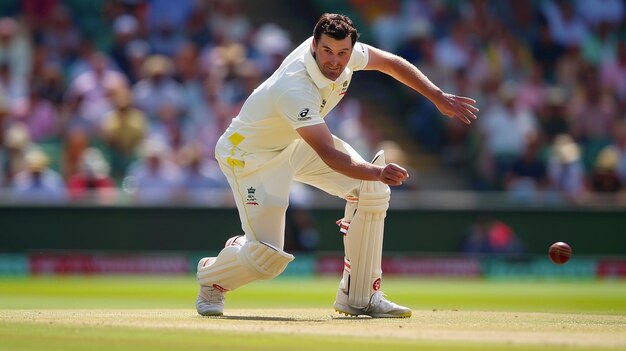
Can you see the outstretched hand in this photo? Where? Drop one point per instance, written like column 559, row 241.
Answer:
column 459, row 107
column 393, row 174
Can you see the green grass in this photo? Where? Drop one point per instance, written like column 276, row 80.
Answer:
column 157, row 313
column 178, row 292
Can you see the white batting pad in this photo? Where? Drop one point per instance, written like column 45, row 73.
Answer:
column 364, row 240
column 236, row 266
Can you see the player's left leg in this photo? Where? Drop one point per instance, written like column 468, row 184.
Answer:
column 363, row 223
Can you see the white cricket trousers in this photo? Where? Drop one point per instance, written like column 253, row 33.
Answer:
column 261, row 182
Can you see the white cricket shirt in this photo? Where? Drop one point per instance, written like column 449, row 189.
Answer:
column 296, row 95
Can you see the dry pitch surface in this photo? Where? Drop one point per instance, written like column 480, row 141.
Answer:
column 156, row 313
column 561, row 330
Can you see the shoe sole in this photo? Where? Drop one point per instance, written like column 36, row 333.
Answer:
column 347, row 312
column 406, row 314
column 216, row 314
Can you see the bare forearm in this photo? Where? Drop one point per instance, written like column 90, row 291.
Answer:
column 348, row 166
column 450, row 105
column 406, row 73
column 319, row 138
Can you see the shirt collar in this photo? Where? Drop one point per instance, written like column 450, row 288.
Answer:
column 314, row 71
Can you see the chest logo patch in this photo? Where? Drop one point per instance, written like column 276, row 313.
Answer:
column 304, row 115
column 344, row 88
column 251, row 199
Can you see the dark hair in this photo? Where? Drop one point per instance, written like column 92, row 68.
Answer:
column 335, row 26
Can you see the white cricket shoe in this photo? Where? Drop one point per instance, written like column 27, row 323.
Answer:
column 210, row 301
column 378, row 307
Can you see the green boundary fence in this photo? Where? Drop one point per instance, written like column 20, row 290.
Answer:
column 28, row 229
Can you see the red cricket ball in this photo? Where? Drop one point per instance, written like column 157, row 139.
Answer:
column 560, row 252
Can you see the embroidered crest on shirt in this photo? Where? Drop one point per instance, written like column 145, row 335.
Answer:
column 344, row 88
column 251, row 199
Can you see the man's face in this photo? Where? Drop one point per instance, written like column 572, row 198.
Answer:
column 332, row 55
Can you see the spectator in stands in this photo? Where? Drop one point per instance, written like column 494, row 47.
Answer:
column 91, row 91
column 196, row 29
column 566, row 26
column 158, row 88
column 38, row 183
column 454, row 51
column 600, row 45
column 126, row 29
column 605, row 177
column 609, row 11
column 592, row 115
column 208, row 117
column 60, row 36
column 567, row 70
column 347, row 122
column 619, row 143
column 412, row 47
column 574, row 82
column 200, row 177
column 92, row 181
column 490, row 236
column 547, row 51
column 168, row 127
column 187, row 67
column 154, row 178
column 528, row 176
column 15, row 49
column 4, row 114
column 37, row 13
column 174, row 13
column 137, row 51
column 165, row 39
column 552, row 113
column 270, row 46
column 39, row 114
column 248, row 76
column 228, row 24
column 123, row 130
column 565, row 169
column 12, row 87
column 51, row 84
column 82, row 62
column 17, row 143
column 388, row 28
column 74, row 144
column 613, row 73
column 505, row 129
column 532, row 90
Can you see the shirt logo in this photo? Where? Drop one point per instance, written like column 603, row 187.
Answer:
column 376, row 285
column 303, row 115
column 251, row 200
column 344, row 88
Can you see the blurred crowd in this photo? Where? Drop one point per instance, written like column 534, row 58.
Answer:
column 98, row 96
column 549, row 77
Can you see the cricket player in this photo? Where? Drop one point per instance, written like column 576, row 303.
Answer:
column 280, row 136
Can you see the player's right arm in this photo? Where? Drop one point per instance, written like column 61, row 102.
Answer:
column 318, row 136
